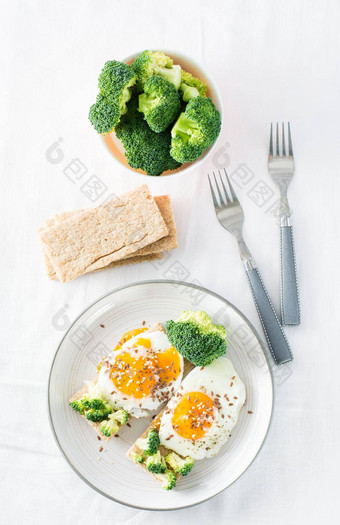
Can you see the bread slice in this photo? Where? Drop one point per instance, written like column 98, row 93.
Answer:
column 187, row 366
column 96, row 237
column 148, row 253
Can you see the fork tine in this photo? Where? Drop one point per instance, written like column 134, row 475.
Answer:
column 271, row 141
column 225, row 189
column 277, row 140
column 218, row 190
column 290, row 145
column 213, row 193
column 233, row 194
column 283, row 141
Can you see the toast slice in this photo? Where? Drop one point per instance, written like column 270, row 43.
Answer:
column 187, row 366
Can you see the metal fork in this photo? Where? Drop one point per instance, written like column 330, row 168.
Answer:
column 281, row 168
column 230, row 215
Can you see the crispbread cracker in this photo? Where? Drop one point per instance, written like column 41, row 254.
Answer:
column 124, row 262
column 166, row 243
column 155, row 423
column 162, row 449
column 84, row 390
column 96, row 237
column 96, row 426
column 148, row 253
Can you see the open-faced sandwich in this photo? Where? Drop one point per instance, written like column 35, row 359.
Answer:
column 183, row 365
column 142, row 373
column 199, row 418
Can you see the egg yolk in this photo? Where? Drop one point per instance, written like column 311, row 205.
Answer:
column 128, row 335
column 146, row 375
column 193, row 415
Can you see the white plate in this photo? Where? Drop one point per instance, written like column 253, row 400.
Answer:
column 110, row 472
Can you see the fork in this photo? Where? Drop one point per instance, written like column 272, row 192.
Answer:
column 281, row 168
column 230, row 215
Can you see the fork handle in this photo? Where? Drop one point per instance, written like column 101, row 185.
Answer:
column 290, row 308
column 275, row 336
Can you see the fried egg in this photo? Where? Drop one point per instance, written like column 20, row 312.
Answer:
column 201, row 415
column 142, row 372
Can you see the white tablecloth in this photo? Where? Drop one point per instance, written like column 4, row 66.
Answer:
column 272, row 61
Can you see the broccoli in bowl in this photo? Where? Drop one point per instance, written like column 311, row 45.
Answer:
column 171, row 102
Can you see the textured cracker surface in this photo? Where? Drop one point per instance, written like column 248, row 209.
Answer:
column 148, row 253
column 96, row 237
column 124, row 262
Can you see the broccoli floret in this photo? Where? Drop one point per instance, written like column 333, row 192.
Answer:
column 151, row 63
column 121, row 416
column 94, row 409
column 144, row 149
column 115, row 79
column 137, row 458
column 103, row 114
column 160, row 103
column 168, row 479
column 156, row 463
column 115, row 82
column 78, row 406
column 115, row 421
column 197, row 338
column 195, row 130
column 97, row 410
column 109, row 427
column 150, row 444
column 179, row 465
column 192, row 87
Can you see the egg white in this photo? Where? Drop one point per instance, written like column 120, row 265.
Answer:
column 137, row 407
column 217, row 380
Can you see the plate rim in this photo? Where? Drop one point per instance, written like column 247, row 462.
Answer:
column 139, row 283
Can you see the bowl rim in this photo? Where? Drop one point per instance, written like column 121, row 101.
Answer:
column 219, row 102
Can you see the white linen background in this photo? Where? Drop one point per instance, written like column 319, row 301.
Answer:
column 272, row 60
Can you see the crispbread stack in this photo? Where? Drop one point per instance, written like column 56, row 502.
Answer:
column 133, row 228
